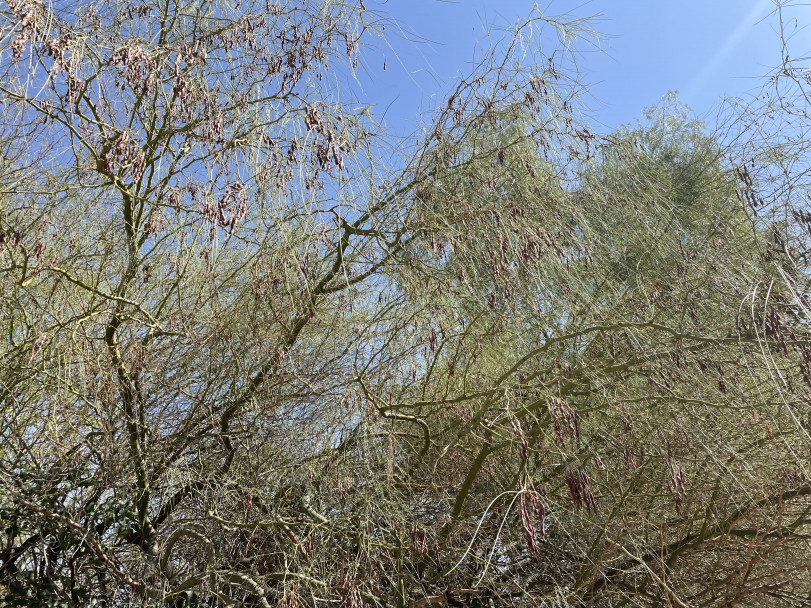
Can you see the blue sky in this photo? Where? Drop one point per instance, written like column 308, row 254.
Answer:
column 704, row 49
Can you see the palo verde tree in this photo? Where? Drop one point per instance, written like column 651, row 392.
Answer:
column 601, row 375
column 244, row 364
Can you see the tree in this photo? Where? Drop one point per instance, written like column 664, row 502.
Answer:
column 631, row 401
column 244, row 365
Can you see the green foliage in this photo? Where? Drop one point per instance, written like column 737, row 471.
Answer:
column 241, row 365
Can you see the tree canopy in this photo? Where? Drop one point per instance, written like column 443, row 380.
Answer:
column 245, row 362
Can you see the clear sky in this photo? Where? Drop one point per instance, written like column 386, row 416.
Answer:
column 704, row 49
